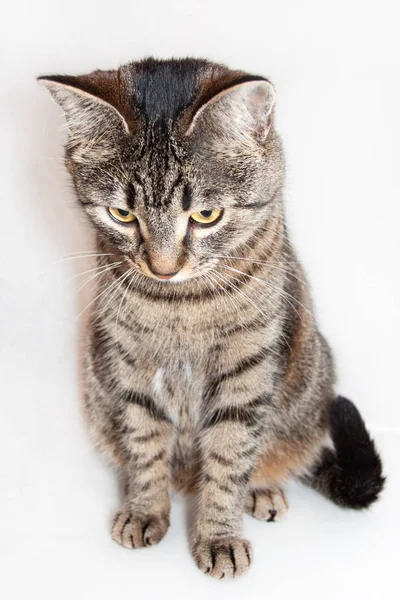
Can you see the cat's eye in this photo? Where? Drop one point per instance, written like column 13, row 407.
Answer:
column 122, row 216
column 206, row 217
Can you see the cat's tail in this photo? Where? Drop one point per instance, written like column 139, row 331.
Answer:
column 351, row 474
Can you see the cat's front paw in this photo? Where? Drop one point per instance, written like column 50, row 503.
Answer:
column 223, row 557
column 133, row 530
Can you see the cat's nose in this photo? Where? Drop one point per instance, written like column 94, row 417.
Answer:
column 163, row 275
column 163, row 265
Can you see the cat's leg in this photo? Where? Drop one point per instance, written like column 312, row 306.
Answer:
column 267, row 503
column 229, row 444
column 144, row 517
column 265, row 498
column 218, row 547
column 131, row 429
column 279, row 461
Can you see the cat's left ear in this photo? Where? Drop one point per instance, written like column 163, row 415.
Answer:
column 92, row 120
column 241, row 113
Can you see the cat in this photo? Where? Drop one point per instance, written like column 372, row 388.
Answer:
column 204, row 366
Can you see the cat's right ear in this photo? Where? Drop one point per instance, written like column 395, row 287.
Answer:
column 92, row 122
column 239, row 116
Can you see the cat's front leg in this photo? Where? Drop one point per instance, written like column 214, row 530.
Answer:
column 144, row 518
column 229, row 444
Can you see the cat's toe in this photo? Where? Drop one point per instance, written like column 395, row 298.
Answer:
column 223, row 557
column 133, row 530
column 266, row 504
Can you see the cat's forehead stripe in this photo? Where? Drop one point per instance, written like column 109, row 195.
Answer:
column 163, row 90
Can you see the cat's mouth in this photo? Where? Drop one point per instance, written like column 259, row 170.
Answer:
column 176, row 277
column 166, row 276
column 173, row 272
column 184, row 273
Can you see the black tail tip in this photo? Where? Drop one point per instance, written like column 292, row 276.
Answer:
column 355, row 474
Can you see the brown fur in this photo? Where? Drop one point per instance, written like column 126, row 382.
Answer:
column 218, row 379
column 277, row 466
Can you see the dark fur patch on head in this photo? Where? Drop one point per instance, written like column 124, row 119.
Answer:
column 164, row 89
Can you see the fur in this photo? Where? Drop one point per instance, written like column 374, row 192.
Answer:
column 218, row 378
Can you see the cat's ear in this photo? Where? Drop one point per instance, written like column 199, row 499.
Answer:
column 241, row 114
column 93, row 123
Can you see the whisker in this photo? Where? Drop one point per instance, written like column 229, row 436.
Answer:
column 281, row 293
column 88, row 279
column 264, row 262
column 111, row 296
column 79, row 256
column 133, row 278
column 108, row 289
column 91, row 251
column 225, row 293
column 208, row 280
column 224, row 297
column 239, row 291
column 100, row 268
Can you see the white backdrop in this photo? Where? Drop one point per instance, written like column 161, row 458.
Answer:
column 336, row 70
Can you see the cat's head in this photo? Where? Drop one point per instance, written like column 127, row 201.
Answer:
column 176, row 162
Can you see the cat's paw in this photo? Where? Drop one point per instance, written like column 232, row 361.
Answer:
column 223, row 557
column 133, row 530
column 266, row 504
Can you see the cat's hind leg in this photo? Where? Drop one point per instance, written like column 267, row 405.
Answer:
column 279, row 462
column 266, row 503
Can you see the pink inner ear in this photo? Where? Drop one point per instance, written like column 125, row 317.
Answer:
column 260, row 100
column 80, row 107
column 230, row 107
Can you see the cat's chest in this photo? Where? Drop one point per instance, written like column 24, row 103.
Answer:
column 177, row 388
column 166, row 364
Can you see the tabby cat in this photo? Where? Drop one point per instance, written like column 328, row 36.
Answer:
column 204, row 365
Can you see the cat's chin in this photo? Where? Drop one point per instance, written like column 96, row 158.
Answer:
column 178, row 278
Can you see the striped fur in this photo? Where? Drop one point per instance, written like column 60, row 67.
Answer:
column 217, row 380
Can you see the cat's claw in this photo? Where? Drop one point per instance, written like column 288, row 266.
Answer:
column 223, row 558
column 133, row 530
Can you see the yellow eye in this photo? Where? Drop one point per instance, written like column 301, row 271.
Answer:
column 206, row 217
column 122, row 216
